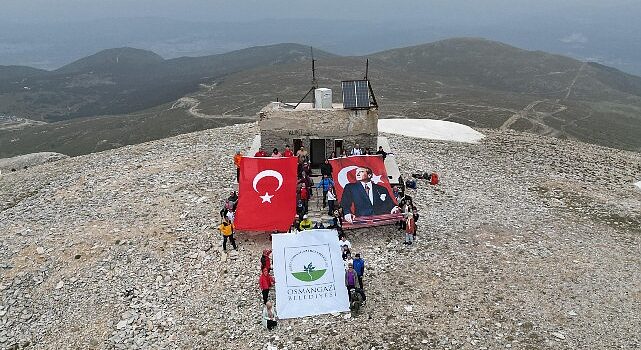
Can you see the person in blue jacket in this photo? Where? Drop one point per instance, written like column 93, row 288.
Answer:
column 359, row 267
column 326, row 183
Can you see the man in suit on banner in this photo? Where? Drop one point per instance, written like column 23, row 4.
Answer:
column 365, row 198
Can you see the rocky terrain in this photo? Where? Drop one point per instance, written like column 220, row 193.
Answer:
column 528, row 243
column 26, row 161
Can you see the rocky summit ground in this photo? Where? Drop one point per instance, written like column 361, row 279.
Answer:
column 527, row 243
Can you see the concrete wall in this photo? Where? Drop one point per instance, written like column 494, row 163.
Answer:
column 279, row 126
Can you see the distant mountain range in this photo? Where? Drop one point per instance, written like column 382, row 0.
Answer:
column 473, row 81
column 125, row 80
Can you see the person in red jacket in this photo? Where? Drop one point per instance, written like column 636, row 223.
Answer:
column 265, row 261
column 288, row 152
column 265, row 282
column 261, row 153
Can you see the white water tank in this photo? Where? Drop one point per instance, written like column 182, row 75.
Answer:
column 323, row 98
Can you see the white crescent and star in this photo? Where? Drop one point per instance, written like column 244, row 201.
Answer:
column 342, row 175
column 268, row 173
column 376, row 178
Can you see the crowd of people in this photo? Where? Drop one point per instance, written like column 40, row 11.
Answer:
column 354, row 270
column 354, row 266
column 354, row 273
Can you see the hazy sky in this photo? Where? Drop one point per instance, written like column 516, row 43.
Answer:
column 51, row 33
column 235, row 10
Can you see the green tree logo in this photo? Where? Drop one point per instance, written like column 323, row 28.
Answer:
column 309, row 273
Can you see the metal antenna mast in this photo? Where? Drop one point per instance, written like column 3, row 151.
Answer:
column 366, row 68
column 314, row 83
column 371, row 91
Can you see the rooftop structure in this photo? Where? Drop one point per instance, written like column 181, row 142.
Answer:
column 321, row 131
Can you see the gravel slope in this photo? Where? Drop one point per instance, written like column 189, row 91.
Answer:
column 527, row 243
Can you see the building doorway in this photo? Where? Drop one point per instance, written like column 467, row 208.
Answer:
column 338, row 147
column 317, row 152
column 298, row 143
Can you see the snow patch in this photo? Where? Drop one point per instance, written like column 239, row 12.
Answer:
column 430, row 129
column 638, row 184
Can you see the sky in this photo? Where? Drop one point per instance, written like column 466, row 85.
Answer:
column 50, row 33
column 237, row 10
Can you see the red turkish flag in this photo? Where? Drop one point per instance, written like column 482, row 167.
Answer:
column 368, row 200
column 266, row 194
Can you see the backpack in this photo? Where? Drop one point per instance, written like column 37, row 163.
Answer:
column 434, row 179
column 410, row 184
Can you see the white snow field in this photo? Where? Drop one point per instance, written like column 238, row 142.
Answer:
column 430, row 129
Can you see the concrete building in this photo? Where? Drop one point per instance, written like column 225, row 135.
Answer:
column 320, row 130
column 323, row 127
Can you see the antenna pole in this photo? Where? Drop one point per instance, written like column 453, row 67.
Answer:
column 314, row 84
column 366, row 68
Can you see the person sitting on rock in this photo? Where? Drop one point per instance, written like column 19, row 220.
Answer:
column 269, row 316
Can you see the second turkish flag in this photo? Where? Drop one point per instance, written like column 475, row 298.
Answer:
column 266, row 194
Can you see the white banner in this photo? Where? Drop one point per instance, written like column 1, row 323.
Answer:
column 309, row 272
